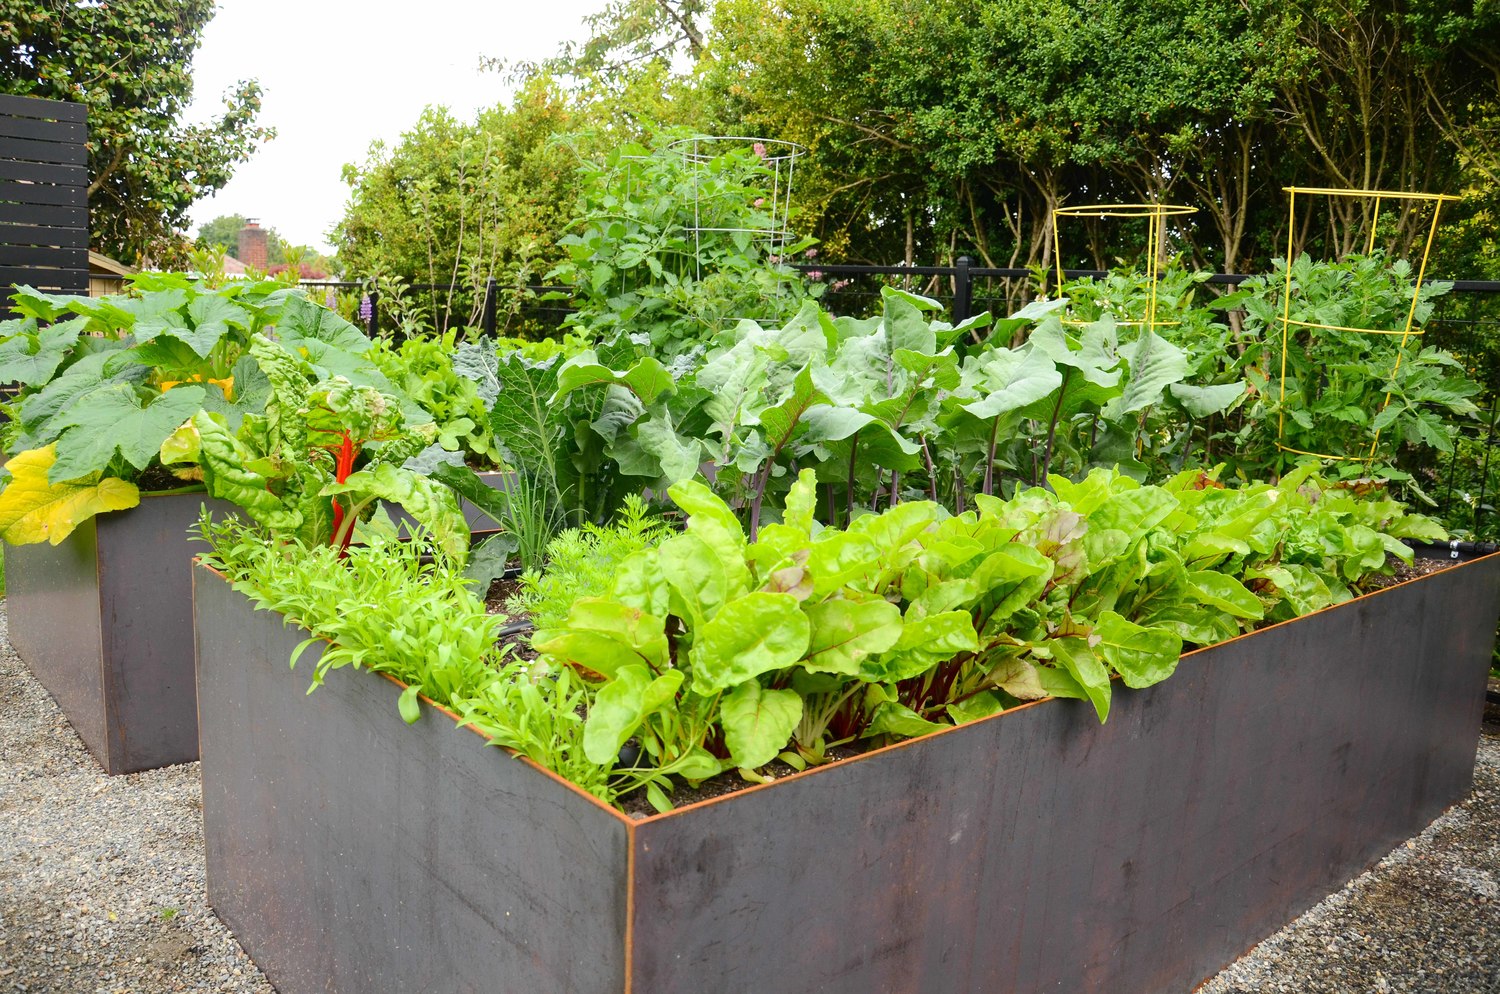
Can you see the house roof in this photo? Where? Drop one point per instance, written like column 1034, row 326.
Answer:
column 103, row 265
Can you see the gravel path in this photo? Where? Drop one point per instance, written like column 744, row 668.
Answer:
column 101, row 885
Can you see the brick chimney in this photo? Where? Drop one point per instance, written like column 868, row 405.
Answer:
column 254, row 245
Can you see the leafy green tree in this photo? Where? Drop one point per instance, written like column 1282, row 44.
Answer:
column 130, row 63
column 224, row 232
column 625, row 38
column 456, row 202
column 943, row 128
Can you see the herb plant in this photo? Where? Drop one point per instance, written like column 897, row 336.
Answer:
column 394, row 611
column 581, row 562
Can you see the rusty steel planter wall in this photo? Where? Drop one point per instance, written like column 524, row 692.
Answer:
column 1032, row 851
column 104, row 621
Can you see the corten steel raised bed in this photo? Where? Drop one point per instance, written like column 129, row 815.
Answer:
column 105, row 621
column 1032, row 851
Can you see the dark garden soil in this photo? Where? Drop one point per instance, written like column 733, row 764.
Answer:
column 157, row 478
column 1421, row 566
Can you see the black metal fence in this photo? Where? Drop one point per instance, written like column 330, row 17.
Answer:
column 44, row 214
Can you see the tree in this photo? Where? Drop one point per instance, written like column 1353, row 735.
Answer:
column 457, row 202
column 624, row 38
column 938, row 127
column 130, row 63
column 224, row 232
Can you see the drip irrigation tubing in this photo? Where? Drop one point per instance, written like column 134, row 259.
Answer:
column 1455, row 547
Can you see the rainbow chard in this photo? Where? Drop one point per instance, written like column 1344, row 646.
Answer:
column 321, row 455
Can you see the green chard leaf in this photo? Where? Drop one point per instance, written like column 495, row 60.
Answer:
column 758, row 722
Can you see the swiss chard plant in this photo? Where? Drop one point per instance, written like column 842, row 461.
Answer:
column 715, row 651
column 318, row 456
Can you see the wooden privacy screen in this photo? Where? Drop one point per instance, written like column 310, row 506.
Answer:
column 44, row 212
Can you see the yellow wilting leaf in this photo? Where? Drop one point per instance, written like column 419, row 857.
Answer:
column 33, row 510
column 226, row 384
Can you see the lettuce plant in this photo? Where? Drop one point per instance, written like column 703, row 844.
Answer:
column 423, row 369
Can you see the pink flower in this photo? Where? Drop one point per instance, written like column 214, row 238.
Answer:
column 759, row 202
column 759, row 149
column 815, row 275
column 811, row 253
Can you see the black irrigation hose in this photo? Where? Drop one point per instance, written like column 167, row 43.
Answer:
column 515, row 628
column 1454, row 547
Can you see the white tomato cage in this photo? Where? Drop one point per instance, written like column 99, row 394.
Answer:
column 780, row 160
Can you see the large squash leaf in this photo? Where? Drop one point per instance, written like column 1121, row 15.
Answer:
column 112, row 420
column 29, row 356
column 33, row 510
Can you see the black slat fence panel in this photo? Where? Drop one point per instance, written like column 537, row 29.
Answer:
column 44, row 234
column 51, row 173
column 62, row 132
column 44, row 193
column 46, row 215
column 63, row 153
column 44, row 256
column 42, row 110
column 41, row 235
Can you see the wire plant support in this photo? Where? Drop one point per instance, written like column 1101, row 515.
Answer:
column 1406, row 331
column 1156, row 222
column 777, row 157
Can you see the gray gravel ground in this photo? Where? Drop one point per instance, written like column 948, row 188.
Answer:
column 101, row 885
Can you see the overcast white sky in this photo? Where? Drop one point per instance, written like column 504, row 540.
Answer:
column 338, row 74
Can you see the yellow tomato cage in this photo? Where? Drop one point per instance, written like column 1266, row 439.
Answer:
column 1155, row 215
column 1406, row 332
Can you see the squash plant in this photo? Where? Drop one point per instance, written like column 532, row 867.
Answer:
column 103, row 382
column 107, row 382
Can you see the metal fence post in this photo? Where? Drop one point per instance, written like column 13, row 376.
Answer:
column 963, row 289
column 489, row 307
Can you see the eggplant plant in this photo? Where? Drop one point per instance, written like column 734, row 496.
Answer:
column 1361, row 396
